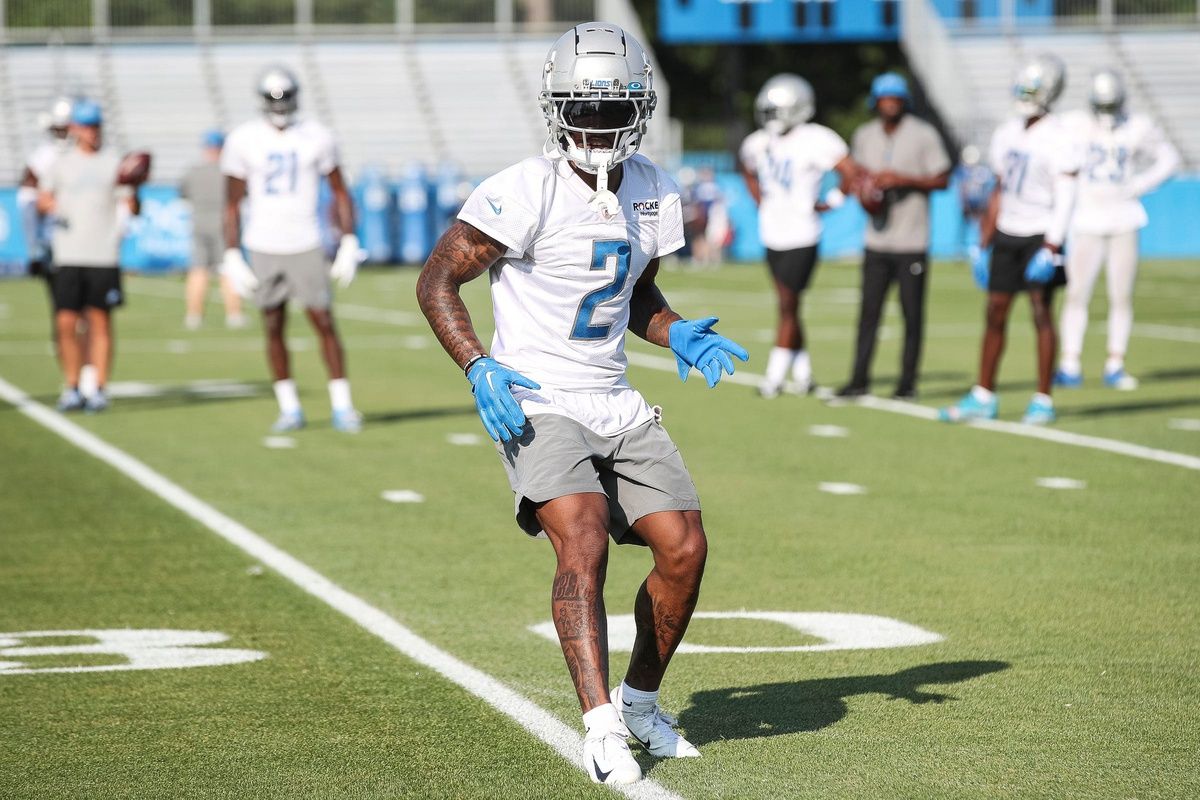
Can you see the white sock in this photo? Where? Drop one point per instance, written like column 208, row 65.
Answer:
column 1113, row 364
column 802, row 367
column 1043, row 399
column 602, row 718
column 87, row 380
column 192, row 321
column 778, row 363
column 1070, row 364
column 637, row 699
column 285, row 394
column 339, row 395
column 982, row 395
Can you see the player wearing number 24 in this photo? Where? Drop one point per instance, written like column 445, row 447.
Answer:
column 572, row 239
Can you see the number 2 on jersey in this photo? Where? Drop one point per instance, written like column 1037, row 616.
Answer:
column 281, row 173
column 604, row 253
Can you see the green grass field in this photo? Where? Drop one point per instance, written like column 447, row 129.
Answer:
column 1068, row 666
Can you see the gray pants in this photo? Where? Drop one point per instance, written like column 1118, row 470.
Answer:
column 303, row 277
column 639, row 471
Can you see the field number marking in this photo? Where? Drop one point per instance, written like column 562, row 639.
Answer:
column 142, row 649
column 839, row 631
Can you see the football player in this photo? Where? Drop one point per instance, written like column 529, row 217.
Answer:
column 1127, row 156
column 83, row 192
column 203, row 187
column 783, row 164
column 572, row 240
column 276, row 163
column 1036, row 159
column 38, row 227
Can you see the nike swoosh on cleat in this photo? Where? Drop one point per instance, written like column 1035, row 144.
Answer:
column 643, row 742
column 627, row 703
column 601, row 775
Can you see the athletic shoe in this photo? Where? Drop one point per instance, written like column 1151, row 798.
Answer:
column 851, row 390
column 1039, row 413
column 192, row 323
column 606, row 757
column 347, row 421
column 96, row 402
column 907, row 393
column 1120, row 380
column 288, row 422
column 653, row 729
column 769, row 391
column 1068, row 380
column 801, row 388
column 235, row 322
column 70, row 400
column 969, row 408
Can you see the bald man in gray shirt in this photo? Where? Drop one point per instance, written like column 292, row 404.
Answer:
column 905, row 161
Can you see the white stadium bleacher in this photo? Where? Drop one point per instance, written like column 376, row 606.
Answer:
column 390, row 102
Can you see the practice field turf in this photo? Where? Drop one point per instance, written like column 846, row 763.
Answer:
column 1052, row 633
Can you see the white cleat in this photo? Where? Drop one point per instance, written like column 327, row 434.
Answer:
column 606, row 758
column 654, row 729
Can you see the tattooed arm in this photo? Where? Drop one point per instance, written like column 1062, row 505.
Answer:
column 649, row 314
column 462, row 254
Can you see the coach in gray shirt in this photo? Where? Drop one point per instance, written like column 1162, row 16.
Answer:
column 203, row 188
column 83, row 192
column 903, row 160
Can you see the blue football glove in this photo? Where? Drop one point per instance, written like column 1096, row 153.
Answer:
column 981, row 259
column 1040, row 268
column 695, row 344
column 491, row 383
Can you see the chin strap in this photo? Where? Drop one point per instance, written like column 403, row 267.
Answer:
column 604, row 201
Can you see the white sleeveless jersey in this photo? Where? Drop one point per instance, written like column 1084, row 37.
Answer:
column 1113, row 156
column 560, row 294
column 282, row 170
column 789, row 169
column 1027, row 161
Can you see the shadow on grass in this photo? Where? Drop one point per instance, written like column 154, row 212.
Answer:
column 132, row 395
column 1107, row 409
column 775, row 709
column 393, row 417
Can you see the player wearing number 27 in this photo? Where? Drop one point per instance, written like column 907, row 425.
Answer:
column 572, row 240
column 276, row 164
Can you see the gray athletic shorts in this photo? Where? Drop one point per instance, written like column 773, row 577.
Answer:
column 640, row 471
column 207, row 250
column 303, row 277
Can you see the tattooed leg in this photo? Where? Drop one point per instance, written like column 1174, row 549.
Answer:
column 578, row 528
column 667, row 598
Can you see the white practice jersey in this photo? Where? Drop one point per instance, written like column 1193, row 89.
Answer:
column 1027, row 161
column 282, row 170
column 789, row 169
column 1115, row 158
column 561, row 293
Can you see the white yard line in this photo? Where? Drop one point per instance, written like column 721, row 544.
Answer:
column 562, row 738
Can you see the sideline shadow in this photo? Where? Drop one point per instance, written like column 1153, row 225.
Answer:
column 775, row 709
column 1130, row 407
column 391, row 417
column 156, row 396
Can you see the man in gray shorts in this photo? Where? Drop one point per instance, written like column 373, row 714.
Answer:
column 83, row 193
column 904, row 160
column 203, row 187
column 276, row 163
column 573, row 267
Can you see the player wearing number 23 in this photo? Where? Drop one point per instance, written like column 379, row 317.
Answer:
column 571, row 240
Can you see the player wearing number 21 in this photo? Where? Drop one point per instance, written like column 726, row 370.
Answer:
column 275, row 163
column 572, row 241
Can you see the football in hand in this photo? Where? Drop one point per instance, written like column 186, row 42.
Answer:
column 870, row 196
column 134, row 168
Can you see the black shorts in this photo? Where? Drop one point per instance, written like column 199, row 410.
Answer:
column 73, row 288
column 1010, row 256
column 793, row 268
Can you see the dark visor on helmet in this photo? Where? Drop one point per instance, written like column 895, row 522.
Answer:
column 599, row 114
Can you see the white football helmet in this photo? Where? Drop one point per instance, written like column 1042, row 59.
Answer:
column 1038, row 84
column 1107, row 95
column 280, row 91
column 597, row 95
column 784, row 102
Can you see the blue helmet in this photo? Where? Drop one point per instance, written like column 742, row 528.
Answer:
column 86, row 112
column 889, row 84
